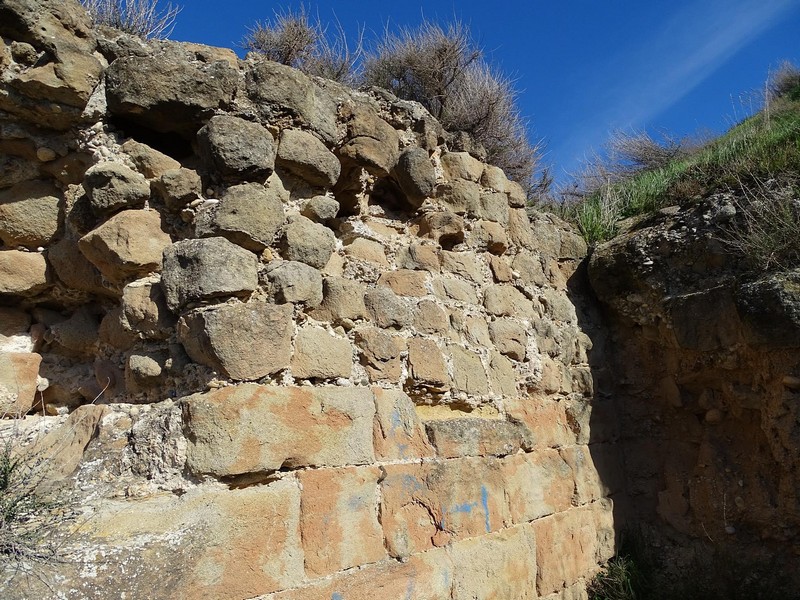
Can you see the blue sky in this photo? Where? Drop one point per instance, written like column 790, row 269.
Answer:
column 584, row 68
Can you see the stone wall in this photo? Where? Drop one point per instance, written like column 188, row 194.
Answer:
column 283, row 339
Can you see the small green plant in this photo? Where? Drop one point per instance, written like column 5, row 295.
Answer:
column 619, row 580
column 143, row 18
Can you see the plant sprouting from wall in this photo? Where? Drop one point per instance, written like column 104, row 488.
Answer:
column 143, row 18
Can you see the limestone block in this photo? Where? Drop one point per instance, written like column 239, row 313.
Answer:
column 460, row 196
column 494, row 178
column 30, row 214
column 166, row 92
column 445, row 228
column 370, row 141
column 546, row 234
column 545, row 418
column 295, row 282
column 177, row 188
column 430, row 318
column 529, row 268
column 278, row 91
column 492, row 207
column 427, row 365
column 454, row 438
column 196, row 270
column 380, row 353
column 130, row 243
column 258, row 429
column 112, row 332
column 490, row 236
column 415, row 175
column 368, row 250
column 435, row 503
column 339, row 519
column 422, row 257
column 465, row 264
column 73, row 269
column 501, row 565
column 517, row 198
column 342, row 299
column 241, row 341
column 320, row 209
column 450, row 288
column 112, row 187
column 558, row 306
column 320, row 355
column 22, row 273
column 145, row 310
column 404, row 282
column 304, row 155
column 505, row 300
column 510, row 337
column 150, row 162
column 462, row 165
column 386, row 310
column 501, row 271
column 469, row 375
column 18, row 379
column 474, row 330
column 398, row 433
column 249, row 215
column 520, row 233
column 308, row 242
column 537, row 484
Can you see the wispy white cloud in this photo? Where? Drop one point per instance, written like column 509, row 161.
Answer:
column 652, row 75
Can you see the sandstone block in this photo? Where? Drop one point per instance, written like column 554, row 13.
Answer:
column 342, row 299
column 320, row 355
column 404, row 282
column 510, row 337
column 434, row 503
column 77, row 335
column 502, row 375
column 30, row 213
column 490, row 236
column 506, row 301
column 450, row 288
column 474, row 329
column 252, row 429
column 22, row 273
column 14, row 325
column 386, row 310
column 461, row 165
column 460, row 196
column 130, row 243
column 428, row 368
column 145, row 310
column 339, row 519
column 517, row 198
column 469, row 375
column 520, row 233
column 307, row 242
column 454, row 438
column 304, row 155
column 494, row 178
column 530, row 269
column 295, row 282
column 249, row 215
column 465, row 264
column 196, row 270
column 320, row 209
column 545, row 418
column 241, row 341
column 415, row 175
column 492, row 207
column 112, row 187
column 233, row 147
column 145, row 370
column 596, row 471
column 370, row 141
column 73, row 269
column 167, row 92
column 398, row 433
column 445, row 228
column 430, row 318
column 368, row 250
column 501, row 565
column 177, row 187
column 538, row 484
column 501, row 271
column 380, row 353
column 18, row 379
column 422, row 257
column 150, row 162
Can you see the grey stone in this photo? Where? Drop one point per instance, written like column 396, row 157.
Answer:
column 308, row 242
column 343, row 299
column 248, row 215
column 196, row 270
column 302, row 154
column 370, row 141
column 510, row 337
column 233, row 147
column 296, row 282
column 386, row 309
column 416, row 175
column 320, row 355
column 145, row 310
column 177, row 188
column 320, row 209
column 73, row 269
column 112, row 187
column 240, row 341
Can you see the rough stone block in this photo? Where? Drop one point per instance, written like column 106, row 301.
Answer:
column 404, row 282
column 307, row 242
column 112, row 187
column 469, row 375
column 538, row 484
column 339, row 519
column 241, row 341
column 430, row 318
column 73, row 269
column 320, row 355
column 510, row 337
column 450, row 288
column 295, row 282
column 427, row 365
column 145, row 310
column 545, row 418
column 454, row 438
column 196, row 270
column 487, row 235
column 177, row 188
column 304, row 155
column 596, row 469
column 461, row 165
column 320, row 209
column 416, row 175
column 386, row 310
column 502, row 375
column 398, row 433
column 507, row 301
column 237, row 148
column 370, row 141
column 150, row 162
column 501, row 271
column 253, row 429
column 464, row 264
column 18, row 379
column 22, row 273
column 367, row 250
column 444, row 228
column 380, row 353
column 130, row 243
column 342, row 299
column 30, row 214
column 422, row 257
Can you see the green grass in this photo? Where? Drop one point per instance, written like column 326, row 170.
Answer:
column 763, row 146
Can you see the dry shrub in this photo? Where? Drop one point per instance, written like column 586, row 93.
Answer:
column 143, row 18
column 784, row 83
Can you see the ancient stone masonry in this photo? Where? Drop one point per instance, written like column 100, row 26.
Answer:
column 321, row 353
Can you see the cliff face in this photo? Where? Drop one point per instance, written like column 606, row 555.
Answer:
column 289, row 340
